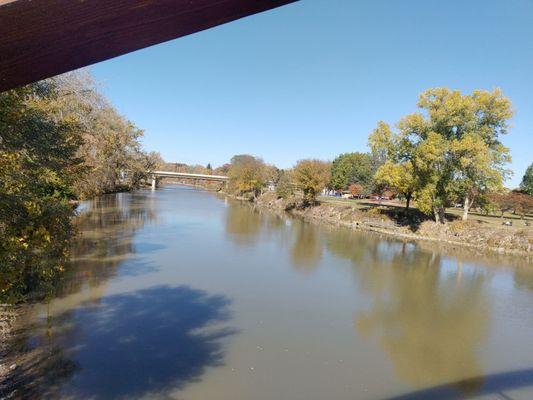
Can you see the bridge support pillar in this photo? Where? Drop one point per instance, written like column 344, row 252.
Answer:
column 154, row 182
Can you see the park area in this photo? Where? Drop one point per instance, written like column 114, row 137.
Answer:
column 509, row 218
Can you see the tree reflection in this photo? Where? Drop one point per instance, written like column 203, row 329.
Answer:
column 306, row 250
column 106, row 228
column 430, row 323
column 243, row 224
column 523, row 279
column 352, row 245
column 430, row 326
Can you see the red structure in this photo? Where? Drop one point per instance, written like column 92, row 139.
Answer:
column 43, row 38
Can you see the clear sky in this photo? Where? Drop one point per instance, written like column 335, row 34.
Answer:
column 312, row 79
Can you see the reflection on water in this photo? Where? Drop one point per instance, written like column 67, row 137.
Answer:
column 243, row 225
column 306, row 249
column 430, row 323
column 415, row 299
column 177, row 294
column 523, row 279
column 107, row 226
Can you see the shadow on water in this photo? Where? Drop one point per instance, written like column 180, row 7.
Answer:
column 130, row 345
column 494, row 384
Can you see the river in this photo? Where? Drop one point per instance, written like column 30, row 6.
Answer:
column 183, row 294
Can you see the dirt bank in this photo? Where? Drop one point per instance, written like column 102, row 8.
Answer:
column 8, row 317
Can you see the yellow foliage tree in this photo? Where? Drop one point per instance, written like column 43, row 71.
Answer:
column 247, row 174
column 311, row 176
column 449, row 151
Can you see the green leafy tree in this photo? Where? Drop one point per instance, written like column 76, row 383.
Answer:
column 399, row 178
column 450, row 150
column 470, row 126
column 527, row 181
column 60, row 140
column 311, row 176
column 349, row 168
column 381, row 144
column 397, row 171
column 38, row 165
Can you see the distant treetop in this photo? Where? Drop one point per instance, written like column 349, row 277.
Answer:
column 527, row 181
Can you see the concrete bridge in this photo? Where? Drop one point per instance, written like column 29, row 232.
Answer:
column 185, row 175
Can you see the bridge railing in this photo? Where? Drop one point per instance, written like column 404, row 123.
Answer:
column 169, row 174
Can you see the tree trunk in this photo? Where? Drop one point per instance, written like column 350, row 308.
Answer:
column 442, row 215
column 407, row 201
column 439, row 214
column 466, row 206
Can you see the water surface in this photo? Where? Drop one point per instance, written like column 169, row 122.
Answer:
column 182, row 294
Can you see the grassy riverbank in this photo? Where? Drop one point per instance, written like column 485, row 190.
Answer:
column 481, row 232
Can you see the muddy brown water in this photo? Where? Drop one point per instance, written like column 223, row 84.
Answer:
column 182, row 294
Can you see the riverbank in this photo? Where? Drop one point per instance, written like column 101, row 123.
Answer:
column 395, row 223
column 23, row 367
column 8, row 318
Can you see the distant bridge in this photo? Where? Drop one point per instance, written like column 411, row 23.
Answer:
column 185, row 175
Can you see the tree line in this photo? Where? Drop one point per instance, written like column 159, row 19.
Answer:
column 60, row 141
column 447, row 153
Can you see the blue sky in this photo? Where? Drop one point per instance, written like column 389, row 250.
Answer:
column 312, row 79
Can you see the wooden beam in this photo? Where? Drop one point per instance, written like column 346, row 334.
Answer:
column 43, row 38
